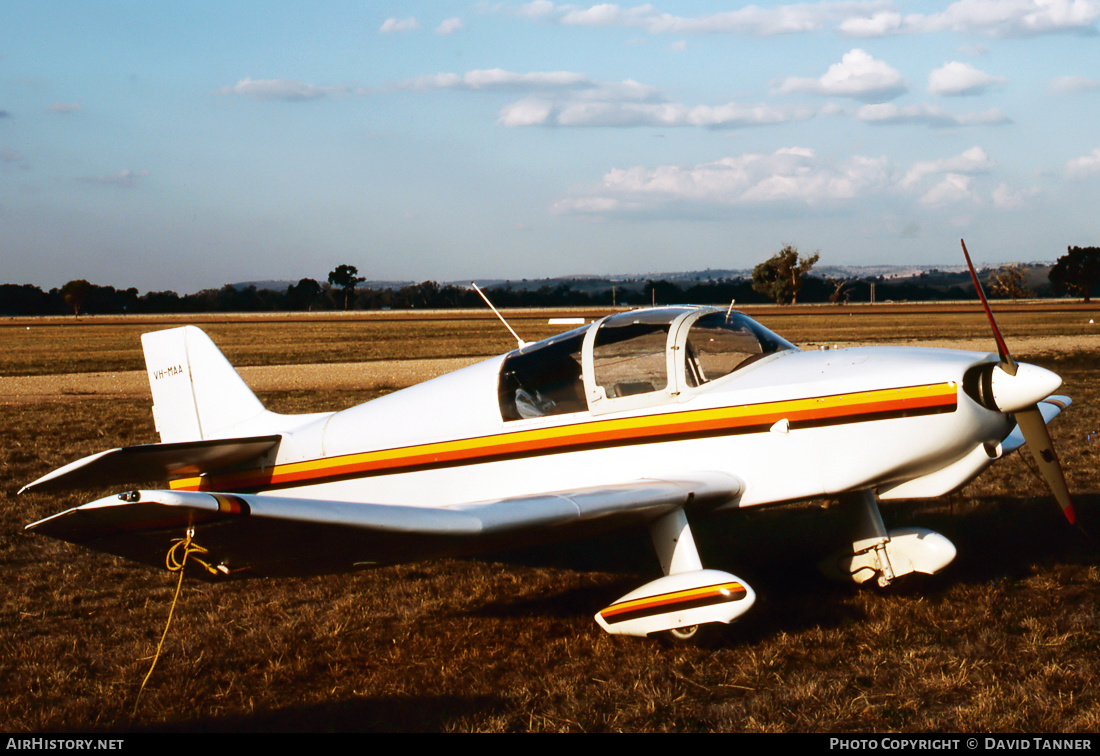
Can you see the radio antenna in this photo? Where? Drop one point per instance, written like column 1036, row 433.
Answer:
column 521, row 342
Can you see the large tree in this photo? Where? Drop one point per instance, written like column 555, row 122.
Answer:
column 304, row 294
column 345, row 277
column 780, row 277
column 1077, row 272
column 75, row 293
column 1009, row 282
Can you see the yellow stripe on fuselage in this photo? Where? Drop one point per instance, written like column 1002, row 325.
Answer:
column 838, row 408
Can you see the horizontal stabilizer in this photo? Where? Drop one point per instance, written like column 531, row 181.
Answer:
column 147, row 462
column 1050, row 408
column 258, row 535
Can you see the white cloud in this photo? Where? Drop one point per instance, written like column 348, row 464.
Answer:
column 450, row 26
column 974, row 160
column 974, row 51
column 954, row 188
column 856, row 18
column 960, row 79
column 996, row 18
column 592, row 205
column 582, row 112
column 498, row 78
column 1073, row 84
column 876, row 25
column 537, row 9
column 124, row 178
column 1006, row 199
column 392, row 25
column 527, row 112
column 857, row 75
column 793, row 174
column 751, row 19
column 65, row 107
column 1012, row 18
column 280, row 89
column 567, row 98
column 1084, row 166
column 928, row 115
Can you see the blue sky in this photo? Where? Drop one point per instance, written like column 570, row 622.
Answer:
column 183, row 146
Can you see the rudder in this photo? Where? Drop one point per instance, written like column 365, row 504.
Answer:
column 196, row 392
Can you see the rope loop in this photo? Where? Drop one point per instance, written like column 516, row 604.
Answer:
column 175, row 560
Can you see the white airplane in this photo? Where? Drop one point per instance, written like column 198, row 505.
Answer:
column 655, row 417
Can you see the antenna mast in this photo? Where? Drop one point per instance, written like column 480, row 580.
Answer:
column 521, row 342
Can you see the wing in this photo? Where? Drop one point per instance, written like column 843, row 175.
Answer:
column 258, row 535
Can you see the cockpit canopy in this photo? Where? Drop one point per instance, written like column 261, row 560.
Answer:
column 631, row 359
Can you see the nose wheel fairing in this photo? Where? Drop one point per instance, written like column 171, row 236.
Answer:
column 884, row 555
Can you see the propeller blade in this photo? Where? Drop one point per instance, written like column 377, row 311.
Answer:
column 1007, row 363
column 1030, row 419
column 1038, row 441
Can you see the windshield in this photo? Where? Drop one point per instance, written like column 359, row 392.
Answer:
column 544, row 379
column 720, row 343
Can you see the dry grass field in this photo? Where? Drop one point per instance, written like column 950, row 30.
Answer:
column 1007, row 639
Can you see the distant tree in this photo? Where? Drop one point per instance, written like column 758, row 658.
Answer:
column 345, row 277
column 780, row 277
column 840, row 294
column 161, row 301
column 75, row 293
column 24, row 299
column 1009, row 282
column 664, row 292
column 1077, row 272
column 304, row 294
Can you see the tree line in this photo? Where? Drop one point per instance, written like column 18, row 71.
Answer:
column 784, row 278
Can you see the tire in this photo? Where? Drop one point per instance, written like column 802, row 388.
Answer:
column 704, row 635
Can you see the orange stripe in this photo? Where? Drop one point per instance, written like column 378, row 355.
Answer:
column 676, row 597
column 564, row 437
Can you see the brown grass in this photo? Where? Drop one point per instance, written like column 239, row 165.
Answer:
column 40, row 346
column 1005, row 641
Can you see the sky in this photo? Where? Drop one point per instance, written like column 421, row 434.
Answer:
column 186, row 145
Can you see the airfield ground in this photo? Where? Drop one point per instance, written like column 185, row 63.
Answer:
column 1006, row 639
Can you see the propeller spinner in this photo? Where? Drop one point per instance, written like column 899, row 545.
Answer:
column 1017, row 389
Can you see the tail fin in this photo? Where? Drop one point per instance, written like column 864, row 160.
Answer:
column 196, row 392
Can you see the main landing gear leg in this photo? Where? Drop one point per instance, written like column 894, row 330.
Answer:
column 674, row 543
column 689, row 602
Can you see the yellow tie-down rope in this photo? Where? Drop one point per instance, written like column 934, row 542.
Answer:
column 175, row 560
